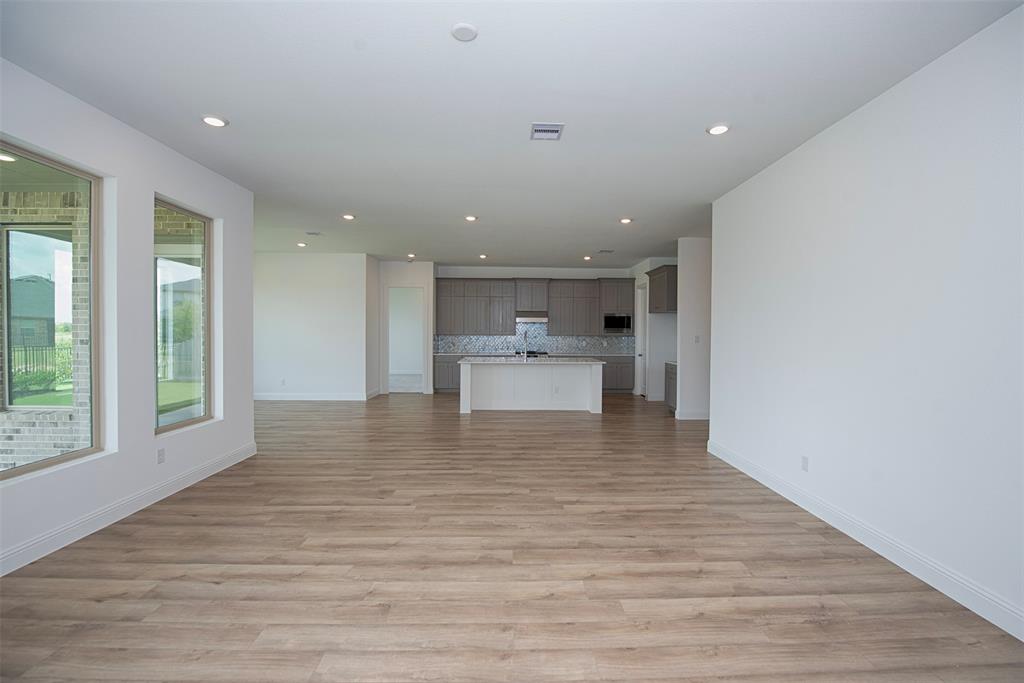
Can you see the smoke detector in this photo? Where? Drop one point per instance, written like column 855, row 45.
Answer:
column 546, row 131
column 464, row 32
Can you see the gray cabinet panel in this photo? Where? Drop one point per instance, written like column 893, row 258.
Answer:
column 502, row 315
column 560, row 289
column 539, row 295
column 559, row 316
column 585, row 318
column 502, row 288
column 670, row 386
column 586, row 289
column 443, row 320
column 617, row 296
column 477, row 315
column 662, row 294
column 447, row 372
column 618, row 373
column 478, row 287
column 531, row 295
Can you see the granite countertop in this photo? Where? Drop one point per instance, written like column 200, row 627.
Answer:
column 539, row 360
column 549, row 355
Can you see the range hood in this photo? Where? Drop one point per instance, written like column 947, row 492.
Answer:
column 531, row 316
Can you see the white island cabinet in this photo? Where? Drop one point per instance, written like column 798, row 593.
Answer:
column 509, row 383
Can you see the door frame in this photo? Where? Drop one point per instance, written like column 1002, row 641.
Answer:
column 641, row 337
column 385, row 340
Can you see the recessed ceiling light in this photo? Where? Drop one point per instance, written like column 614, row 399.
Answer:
column 483, row 255
column 471, row 219
column 718, row 129
column 300, row 244
column 586, row 258
column 464, row 32
column 625, row 221
column 411, row 255
column 7, row 157
column 348, row 216
column 215, row 121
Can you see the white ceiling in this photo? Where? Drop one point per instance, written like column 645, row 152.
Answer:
column 373, row 109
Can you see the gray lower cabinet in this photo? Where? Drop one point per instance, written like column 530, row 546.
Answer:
column 670, row 386
column 619, row 372
column 447, row 372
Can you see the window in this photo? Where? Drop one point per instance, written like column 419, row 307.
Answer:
column 181, row 249
column 47, row 392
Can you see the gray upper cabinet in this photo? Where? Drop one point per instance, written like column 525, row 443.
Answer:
column 503, row 315
column 560, row 289
column 450, row 307
column 662, row 295
column 466, row 306
column 478, row 315
column 559, row 316
column 531, row 295
column 617, row 296
column 585, row 317
column 574, row 308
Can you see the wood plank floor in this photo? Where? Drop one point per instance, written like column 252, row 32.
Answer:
column 398, row 541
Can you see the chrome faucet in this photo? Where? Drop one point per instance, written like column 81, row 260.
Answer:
column 526, row 343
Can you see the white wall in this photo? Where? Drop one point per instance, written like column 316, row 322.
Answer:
column 405, row 330
column 693, row 325
column 46, row 509
column 311, row 317
column 867, row 315
column 405, row 274
column 661, row 332
column 373, row 323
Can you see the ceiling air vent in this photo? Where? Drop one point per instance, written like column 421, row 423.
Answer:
column 606, row 251
column 546, row 131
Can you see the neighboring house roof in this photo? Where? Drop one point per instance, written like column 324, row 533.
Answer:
column 32, row 296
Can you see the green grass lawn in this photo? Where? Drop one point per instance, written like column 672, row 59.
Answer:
column 57, row 397
column 172, row 396
column 176, row 395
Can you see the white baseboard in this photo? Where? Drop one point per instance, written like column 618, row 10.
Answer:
column 345, row 396
column 692, row 415
column 974, row 597
column 372, row 394
column 55, row 539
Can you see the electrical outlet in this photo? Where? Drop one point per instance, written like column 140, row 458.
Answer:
column 161, row 456
column 283, row 382
column 805, row 463
column 696, row 339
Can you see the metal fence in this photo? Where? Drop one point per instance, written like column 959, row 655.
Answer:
column 55, row 359
column 180, row 362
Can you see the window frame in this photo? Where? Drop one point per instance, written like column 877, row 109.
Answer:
column 95, row 315
column 207, row 328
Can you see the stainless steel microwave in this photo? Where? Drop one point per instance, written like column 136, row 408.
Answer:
column 618, row 324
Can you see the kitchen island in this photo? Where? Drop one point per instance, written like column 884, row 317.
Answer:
column 510, row 383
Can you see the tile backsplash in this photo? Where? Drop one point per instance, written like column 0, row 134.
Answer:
column 539, row 341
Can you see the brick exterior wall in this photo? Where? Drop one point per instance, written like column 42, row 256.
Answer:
column 31, row 434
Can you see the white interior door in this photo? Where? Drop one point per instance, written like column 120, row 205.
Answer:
column 406, row 370
column 640, row 341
